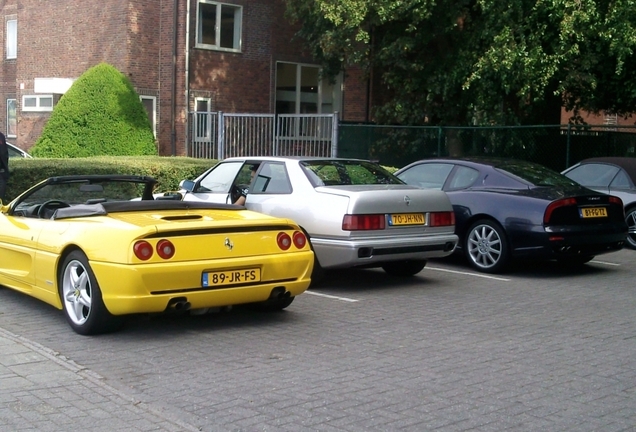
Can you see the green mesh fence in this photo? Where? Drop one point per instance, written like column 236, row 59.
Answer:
column 557, row 147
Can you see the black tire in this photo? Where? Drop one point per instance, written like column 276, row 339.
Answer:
column 575, row 261
column 271, row 305
column 630, row 218
column 404, row 268
column 486, row 246
column 318, row 273
column 81, row 297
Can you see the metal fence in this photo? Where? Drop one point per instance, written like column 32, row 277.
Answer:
column 557, row 146
column 218, row 135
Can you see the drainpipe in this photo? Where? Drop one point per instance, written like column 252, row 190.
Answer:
column 173, row 113
column 187, row 76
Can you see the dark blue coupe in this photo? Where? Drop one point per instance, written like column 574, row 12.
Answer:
column 506, row 209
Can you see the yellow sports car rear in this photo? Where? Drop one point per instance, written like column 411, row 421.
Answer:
column 85, row 246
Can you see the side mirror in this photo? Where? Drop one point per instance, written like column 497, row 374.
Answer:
column 172, row 196
column 187, row 185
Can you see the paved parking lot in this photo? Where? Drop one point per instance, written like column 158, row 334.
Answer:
column 540, row 348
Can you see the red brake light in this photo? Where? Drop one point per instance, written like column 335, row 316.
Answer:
column 143, row 250
column 555, row 205
column 615, row 200
column 363, row 222
column 283, row 240
column 442, row 219
column 165, row 249
column 299, row 239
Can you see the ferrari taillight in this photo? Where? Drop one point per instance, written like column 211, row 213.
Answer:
column 300, row 240
column 143, row 250
column 283, row 240
column 438, row 219
column 363, row 222
column 555, row 205
column 165, row 249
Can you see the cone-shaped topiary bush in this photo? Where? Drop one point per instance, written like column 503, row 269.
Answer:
column 100, row 114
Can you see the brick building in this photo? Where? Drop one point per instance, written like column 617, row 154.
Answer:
column 180, row 55
column 602, row 118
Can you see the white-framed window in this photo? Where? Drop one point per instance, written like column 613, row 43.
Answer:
column 202, row 119
column 150, row 103
column 12, row 118
column 12, row 39
column 202, row 104
column 300, row 90
column 219, row 26
column 37, row 103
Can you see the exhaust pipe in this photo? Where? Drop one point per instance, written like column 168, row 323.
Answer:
column 279, row 293
column 178, row 304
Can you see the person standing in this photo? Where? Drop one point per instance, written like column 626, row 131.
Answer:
column 4, row 166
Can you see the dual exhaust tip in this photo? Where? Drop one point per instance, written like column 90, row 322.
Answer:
column 181, row 304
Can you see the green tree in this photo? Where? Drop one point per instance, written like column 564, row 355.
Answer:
column 480, row 61
column 100, row 114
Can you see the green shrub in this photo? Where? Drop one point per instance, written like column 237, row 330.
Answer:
column 168, row 171
column 100, row 114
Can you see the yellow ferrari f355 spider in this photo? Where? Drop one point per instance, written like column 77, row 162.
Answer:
column 90, row 246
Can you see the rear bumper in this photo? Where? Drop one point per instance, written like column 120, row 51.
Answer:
column 145, row 288
column 333, row 253
column 570, row 241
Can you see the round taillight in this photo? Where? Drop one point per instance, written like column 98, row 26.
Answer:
column 143, row 250
column 284, row 241
column 299, row 240
column 165, row 249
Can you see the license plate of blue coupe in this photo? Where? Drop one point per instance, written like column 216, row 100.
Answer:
column 103, row 247
column 593, row 212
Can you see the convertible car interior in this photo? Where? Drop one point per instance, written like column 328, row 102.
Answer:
column 76, row 196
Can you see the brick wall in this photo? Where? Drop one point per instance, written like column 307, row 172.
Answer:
column 63, row 38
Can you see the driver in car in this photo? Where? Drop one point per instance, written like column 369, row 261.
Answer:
column 241, row 199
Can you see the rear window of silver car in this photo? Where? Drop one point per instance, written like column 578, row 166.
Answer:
column 349, row 172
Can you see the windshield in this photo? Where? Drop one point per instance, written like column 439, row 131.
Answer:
column 86, row 191
column 347, row 172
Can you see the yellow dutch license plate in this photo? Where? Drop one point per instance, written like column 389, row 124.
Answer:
column 407, row 219
column 231, row 277
column 593, row 212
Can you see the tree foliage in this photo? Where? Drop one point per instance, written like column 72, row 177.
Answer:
column 480, row 61
column 100, row 115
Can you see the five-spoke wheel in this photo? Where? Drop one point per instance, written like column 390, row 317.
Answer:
column 81, row 297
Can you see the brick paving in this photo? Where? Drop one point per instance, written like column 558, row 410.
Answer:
column 41, row 390
column 542, row 348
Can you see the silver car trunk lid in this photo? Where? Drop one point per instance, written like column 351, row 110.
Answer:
column 373, row 199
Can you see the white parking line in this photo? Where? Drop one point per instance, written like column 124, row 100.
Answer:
column 332, row 297
column 467, row 273
column 604, row 262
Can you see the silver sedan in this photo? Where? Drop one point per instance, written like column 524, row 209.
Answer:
column 355, row 212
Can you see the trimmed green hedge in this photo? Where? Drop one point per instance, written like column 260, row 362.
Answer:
column 168, row 171
column 100, row 114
